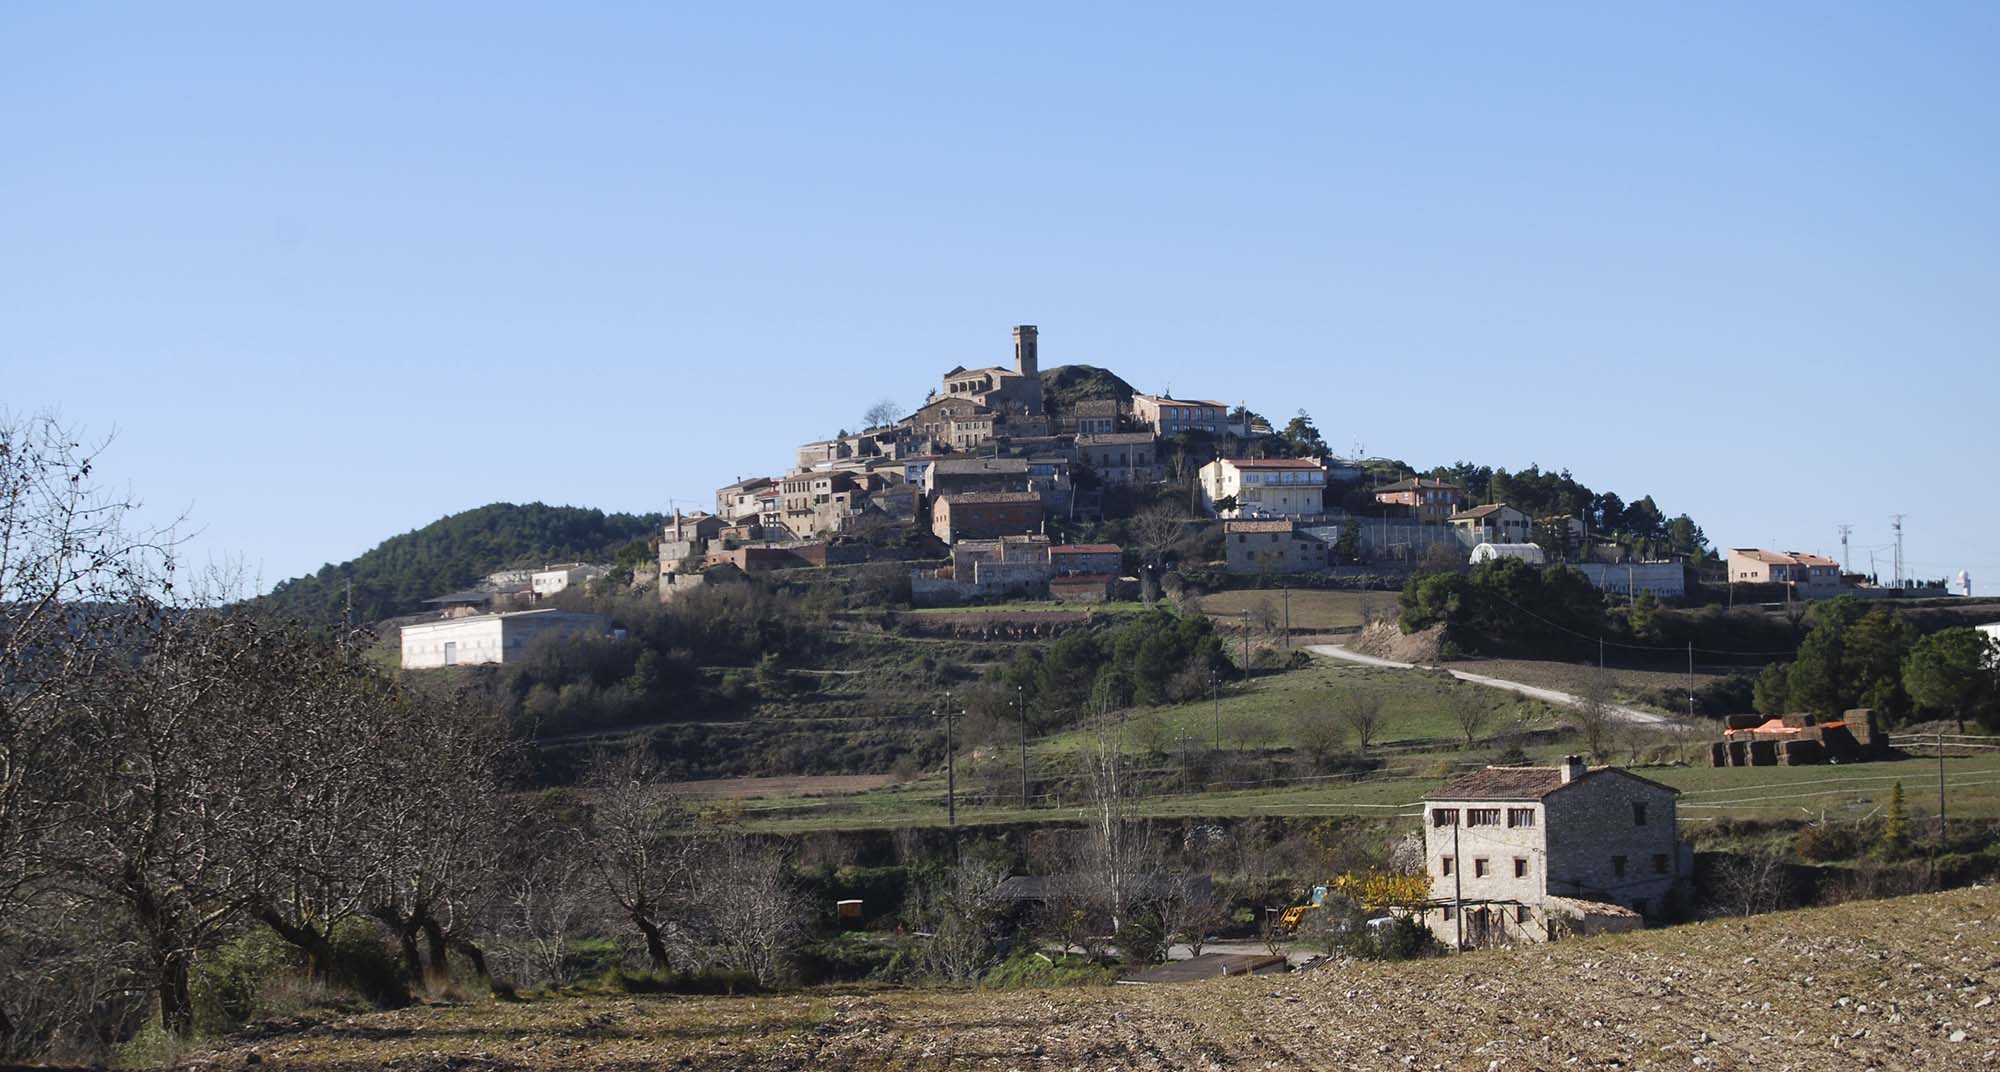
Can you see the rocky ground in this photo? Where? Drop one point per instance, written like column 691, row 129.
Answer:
column 1902, row 984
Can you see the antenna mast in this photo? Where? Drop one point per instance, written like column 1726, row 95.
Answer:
column 1896, row 523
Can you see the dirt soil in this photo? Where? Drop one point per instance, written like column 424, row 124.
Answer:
column 1385, row 640
column 1905, row 984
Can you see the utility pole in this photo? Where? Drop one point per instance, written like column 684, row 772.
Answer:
column 1287, row 589
column 1215, row 704
column 1845, row 531
column 1021, row 707
column 1940, row 752
column 1896, row 523
column 1600, row 652
column 950, row 775
column 1246, row 645
column 1690, row 682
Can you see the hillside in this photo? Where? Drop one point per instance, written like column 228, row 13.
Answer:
column 456, row 551
column 1905, row 983
column 1066, row 385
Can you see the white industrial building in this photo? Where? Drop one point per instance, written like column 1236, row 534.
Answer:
column 1667, row 580
column 489, row 638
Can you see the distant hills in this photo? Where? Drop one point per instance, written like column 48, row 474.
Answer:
column 455, row 552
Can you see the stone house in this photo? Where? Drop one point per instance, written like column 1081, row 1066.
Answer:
column 949, row 476
column 1172, row 416
column 1264, row 487
column 1088, row 558
column 934, row 419
column 1530, row 854
column 743, row 499
column 985, row 514
column 1121, row 457
column 1095, row 416
column 687, row 535
column 1274, row 546
column 549, row 580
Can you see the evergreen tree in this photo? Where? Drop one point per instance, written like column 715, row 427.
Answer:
column 1895, row 837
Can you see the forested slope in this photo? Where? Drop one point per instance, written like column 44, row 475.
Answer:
column 398, row 574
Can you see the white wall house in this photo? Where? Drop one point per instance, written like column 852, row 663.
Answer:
column 1527, row 854
column 488, row 638
column 1265, row 487
column 548, row 582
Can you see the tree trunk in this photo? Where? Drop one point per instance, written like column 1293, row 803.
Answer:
column 6, row 1030
column 406, row 938
column 473, row 955
column 176, row 1001
column 435, row 944
column 656, row 948
column 306, row 938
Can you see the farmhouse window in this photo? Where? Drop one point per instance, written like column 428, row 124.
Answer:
column 1520, row 913
column 1520, row 867
column 1447, row 861
column 1659, row 863
column 1618, row 866
column 1449, row 914
column 1482, row 817
column 1638, row 814
column 1479, row 867
column 1520, row 817
column 1444, row 816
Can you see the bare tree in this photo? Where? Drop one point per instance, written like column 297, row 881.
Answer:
column 962, row 916
column 547, row 900
column 166, row 827
column 68, row 561
column 1752, row 882
column 1471, row 712
column 1361, row 712
column 752, row 919
column 883, row 413
column 1120, row 853
column 1190, row 911
column 1591, row 715
column 1317, row 732
column 635, row 842
column 1156, row 528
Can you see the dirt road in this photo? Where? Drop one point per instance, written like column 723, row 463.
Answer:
column 1620, row 712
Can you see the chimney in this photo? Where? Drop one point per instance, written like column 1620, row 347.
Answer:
column 1572, row 768
column 1026, row 361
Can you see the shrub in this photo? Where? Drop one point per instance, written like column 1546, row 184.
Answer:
column 727, row 983
column 1029, row 968
column 1827, row 841
column 1141, row 939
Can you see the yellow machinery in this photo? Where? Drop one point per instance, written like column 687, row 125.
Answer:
column 1296, row 914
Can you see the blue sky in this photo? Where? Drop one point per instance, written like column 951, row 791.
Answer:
column 333, row 273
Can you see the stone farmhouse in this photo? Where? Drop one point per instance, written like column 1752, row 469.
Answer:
column 1531, row 854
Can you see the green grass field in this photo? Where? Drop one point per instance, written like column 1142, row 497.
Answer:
column 1852, row 791
column 1416, row 707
